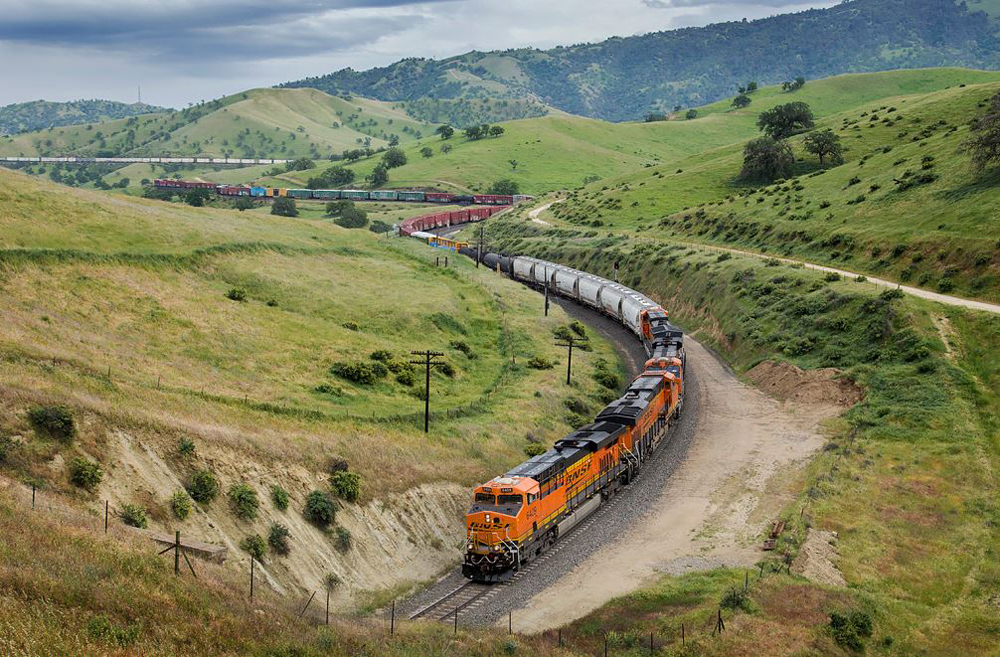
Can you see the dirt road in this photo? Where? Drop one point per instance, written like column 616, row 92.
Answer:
column 727, row 488
column 946, row 299
column 533, row 214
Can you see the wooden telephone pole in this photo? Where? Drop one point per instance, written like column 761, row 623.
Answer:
column 570, row 342
column 427, row 361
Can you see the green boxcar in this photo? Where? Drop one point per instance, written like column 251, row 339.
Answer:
column 411, row 196
column 354, row 194
column 383, row 196
column 300, row 193
column 326, row 194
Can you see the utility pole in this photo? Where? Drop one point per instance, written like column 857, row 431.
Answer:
column 427, row 362
column 570, row 342
column 479, row 246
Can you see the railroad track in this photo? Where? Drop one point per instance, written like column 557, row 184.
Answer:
column 459, row 598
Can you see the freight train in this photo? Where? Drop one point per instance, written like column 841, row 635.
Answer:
column 518, row 515
column 346, row 194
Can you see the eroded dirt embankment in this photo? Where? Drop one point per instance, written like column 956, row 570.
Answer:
column 732, row 481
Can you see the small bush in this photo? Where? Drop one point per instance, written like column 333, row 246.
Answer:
column 101, row 628
column 578, row 328
column 236, row 294
column 860, row 279
column 53, row 421
column 255, row 546
column 534, row 449
column 946, row 285
column 831, row 277
column 342, row 539
column 277, row 538
column 360, row 372
column 540, row 363
column 381, row 355
column 406, row 378
column 736, row 599
column 347, row 485
column 447, row 369
column 332, row 580
column 6, row 447
column 85, row 473
column 337, row 464
column 180, row 504
column 722, row 257
column 849, row 631
column 462, row 346
column 186, row 447
column 243, row 498
column 319, row 509
column 351, row 326
column 203, row 486
column 133, row 515
column 280, row 497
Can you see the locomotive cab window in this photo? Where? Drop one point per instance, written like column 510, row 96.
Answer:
column 531, row 498
column 506, row 500
column 485, row 498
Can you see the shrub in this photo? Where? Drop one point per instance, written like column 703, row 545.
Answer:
column 277, row 538
column 406, row 377
column 578, row 328
column 319, row 509
column 180, row 504
column 360, row 372
column 133, row 515
column 607, row 378
column 462, row 346
column 540, row 363
column 284, row 206
column 186, row 447
column 280, row 497
column 337, row 464
column 101, row 628
column 946, row 285
column 347, row 485
column 6, row 447
column 831, row 277
column 722, row 257
column 236, row 294
column 203, row 486
column 378, row 226
column 54, row 421
column 447, row 369
column 736, row 599
column 342, row 539
column 351, row 326
column 860, row 279
column 244, row 501
column 381, row 355
column 85, row 473
column 332, row 580
column 255, row 546
column 534, row 449
column 850, row 630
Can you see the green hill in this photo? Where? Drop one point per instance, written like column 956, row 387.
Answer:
column 285, row 124
column 42, row 114
column 856, row 216
column 624, row 78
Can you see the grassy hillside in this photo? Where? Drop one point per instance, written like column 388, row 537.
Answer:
column 855, row 216
column 276, row 347
column 42, row 114
column 284, row 123
column 908, row 479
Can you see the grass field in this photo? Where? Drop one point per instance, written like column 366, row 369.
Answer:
column 267, row 123
column 912, row 494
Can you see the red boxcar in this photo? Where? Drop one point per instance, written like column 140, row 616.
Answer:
column 439, row 197
column 493, row 199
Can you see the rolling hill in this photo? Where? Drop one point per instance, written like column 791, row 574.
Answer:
column 287, row 123
column 624, row 78
column 861, row 215
column 42, row 114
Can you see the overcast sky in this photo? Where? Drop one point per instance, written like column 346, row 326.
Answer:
column 183, row 51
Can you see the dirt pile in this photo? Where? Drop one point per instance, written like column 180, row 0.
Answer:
column 786, row 382
column 816, row 557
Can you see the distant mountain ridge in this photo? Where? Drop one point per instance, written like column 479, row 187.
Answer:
column 42, row 114
column 624, row 78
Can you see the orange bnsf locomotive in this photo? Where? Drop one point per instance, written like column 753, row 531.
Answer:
column 517, row 516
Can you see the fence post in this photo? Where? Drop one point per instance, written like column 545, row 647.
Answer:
column 32, row 496
column 456, row 620
column 327, row 605
column 682, row 634
column 392, row 619
column 106, row 509
column 746, row 581
column 605, row 644
column 177, row 552
column 560, row 637
column 308, row 602
column 510, row 622
column 251, row 577
column 650, row 643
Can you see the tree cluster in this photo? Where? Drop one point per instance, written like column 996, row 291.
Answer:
column 793, row 85
column 483, row 131
column 983, row 144
column 333, row 178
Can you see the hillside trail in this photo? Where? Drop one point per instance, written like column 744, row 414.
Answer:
column 737, row 475
column 533, row 214
column 946, row 299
